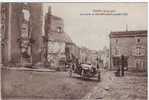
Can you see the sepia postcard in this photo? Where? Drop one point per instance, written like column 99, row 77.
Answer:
column 73, row 51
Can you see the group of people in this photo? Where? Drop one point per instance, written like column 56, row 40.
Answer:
column 122, row 66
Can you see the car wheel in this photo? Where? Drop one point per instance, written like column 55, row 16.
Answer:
column 98, row 77
column 70, row 72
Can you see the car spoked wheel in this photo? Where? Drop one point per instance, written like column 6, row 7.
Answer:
column 70, row 71
column 98, row 77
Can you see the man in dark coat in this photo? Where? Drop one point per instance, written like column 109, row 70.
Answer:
column 122, row 65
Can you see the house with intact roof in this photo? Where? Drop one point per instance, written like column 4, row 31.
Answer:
column 131, row 44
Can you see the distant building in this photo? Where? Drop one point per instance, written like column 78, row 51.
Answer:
column 72, row 49
column 88, row 56
column 84, row 55
column 105, row 56
column 93, row 56
column 131, row 44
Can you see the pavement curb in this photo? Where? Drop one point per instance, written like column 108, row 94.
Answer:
column 29, row 69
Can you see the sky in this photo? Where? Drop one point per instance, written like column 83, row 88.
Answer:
column 92, row 31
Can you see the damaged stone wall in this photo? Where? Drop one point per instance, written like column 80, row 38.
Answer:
column 56, row 53
column 36, row 31
column 22, row 29
column 11, row 31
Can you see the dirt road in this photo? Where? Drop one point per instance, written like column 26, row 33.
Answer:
column 133, row 86
column 31, row 85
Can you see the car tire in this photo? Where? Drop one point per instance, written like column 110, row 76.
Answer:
column 98, row 77
column 70, row 72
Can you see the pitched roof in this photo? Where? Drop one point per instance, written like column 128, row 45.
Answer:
column 60, row 37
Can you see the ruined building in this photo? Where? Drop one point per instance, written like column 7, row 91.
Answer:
column 56, row 40
column 30, row 38
column 21, row 30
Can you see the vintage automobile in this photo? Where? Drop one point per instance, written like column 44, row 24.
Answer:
column 86, row 70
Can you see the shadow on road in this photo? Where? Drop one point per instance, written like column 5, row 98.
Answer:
column 85, row 79
column 136, row 73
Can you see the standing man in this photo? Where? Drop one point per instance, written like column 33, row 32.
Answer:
column 98, row 70
column 119, row 67
column 122, row 65
column 97, row 62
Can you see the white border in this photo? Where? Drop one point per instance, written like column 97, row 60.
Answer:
column 73, row 0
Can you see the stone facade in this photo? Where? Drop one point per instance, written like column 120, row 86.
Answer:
column 36, row 24
column 10, row 32
column 0, row 38
column 131, row 44
column 56, row 40
column 21, row 32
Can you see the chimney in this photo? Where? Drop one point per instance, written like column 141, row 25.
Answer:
column 49, row 10
column 126, row 27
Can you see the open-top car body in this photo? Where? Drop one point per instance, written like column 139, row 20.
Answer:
column 85, row 70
